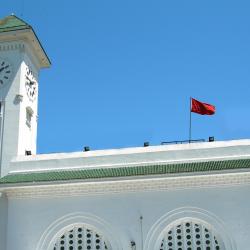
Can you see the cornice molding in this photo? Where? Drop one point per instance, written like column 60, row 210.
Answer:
column 104, row 187
column 9, row 46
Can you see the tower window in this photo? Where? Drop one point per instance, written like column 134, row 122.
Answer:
column 29, row 114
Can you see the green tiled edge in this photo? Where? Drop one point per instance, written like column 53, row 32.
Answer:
column 11, row 23
column 126, row 171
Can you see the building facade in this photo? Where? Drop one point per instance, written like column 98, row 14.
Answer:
column 175, row 197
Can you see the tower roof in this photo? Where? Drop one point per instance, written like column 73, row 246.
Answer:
column 12, row 23
column 13, row 28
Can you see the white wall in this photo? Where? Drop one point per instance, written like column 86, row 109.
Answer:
column 11, row 107
column 17, row 137
column 3, row 220
column 30, row 218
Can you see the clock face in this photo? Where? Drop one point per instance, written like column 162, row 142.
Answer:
column 5, row 71
column 30, row 84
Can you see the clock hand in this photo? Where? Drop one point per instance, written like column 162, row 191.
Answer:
column 30, row 81
column 28, row 78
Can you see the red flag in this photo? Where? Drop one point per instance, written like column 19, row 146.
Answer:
column 202, row 108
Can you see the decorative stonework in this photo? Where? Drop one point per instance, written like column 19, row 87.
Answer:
column 128, row 185
column 12, row 46
column 23, row 47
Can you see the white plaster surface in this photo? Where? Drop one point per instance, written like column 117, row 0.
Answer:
column 29, row 219
column 3, row 220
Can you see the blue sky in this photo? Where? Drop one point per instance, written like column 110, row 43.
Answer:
column 123, row 71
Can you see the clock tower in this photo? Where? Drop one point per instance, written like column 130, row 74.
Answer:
column 21, row 58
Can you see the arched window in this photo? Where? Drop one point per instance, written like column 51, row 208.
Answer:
column 191, row 235
column 81, row 238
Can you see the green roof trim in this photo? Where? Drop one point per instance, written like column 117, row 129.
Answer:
column 84, row 174
column 12, row 23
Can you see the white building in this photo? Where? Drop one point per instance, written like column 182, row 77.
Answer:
column 175, row 197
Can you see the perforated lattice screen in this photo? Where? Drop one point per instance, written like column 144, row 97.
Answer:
column 81, row 238
column 189, row 235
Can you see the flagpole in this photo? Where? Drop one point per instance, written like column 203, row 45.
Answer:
column 190, row 121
